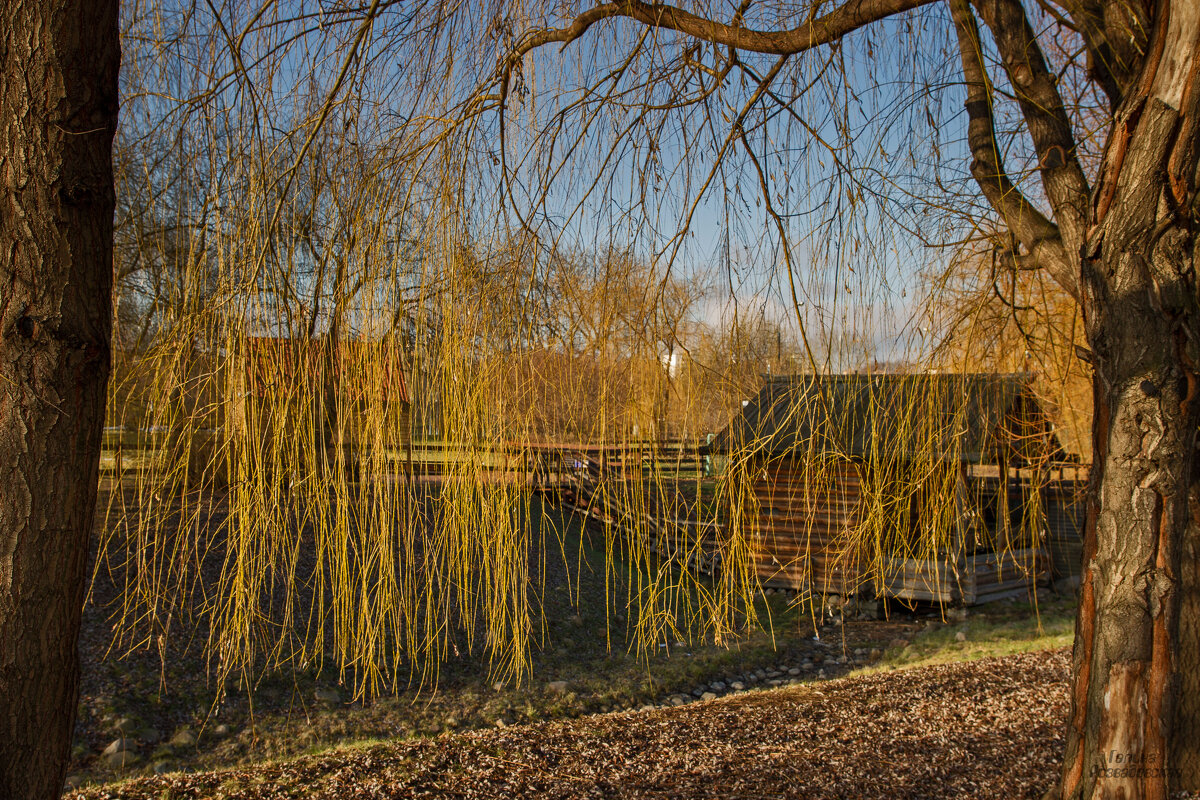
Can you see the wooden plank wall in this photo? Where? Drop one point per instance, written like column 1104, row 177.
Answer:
column 968, row 579
column 1066, row 511
column 801, row 536
column 800, row 531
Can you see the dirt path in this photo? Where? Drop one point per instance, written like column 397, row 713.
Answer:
column 990, row 728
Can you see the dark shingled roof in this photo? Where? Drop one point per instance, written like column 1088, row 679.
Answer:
column 960, row 417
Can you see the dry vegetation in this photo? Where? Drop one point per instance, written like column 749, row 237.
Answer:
column 299, row 184
column 585, row 660
column 344, row 185
column 990, row 728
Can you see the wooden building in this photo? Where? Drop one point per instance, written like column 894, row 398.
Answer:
column 1065, row 501
column 920, row 487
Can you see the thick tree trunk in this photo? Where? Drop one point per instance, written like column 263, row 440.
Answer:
column 58, row 109
column 1135, row 722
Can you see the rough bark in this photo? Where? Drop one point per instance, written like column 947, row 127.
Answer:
column 1115, row 35
column 1134, row 730
column 58, row 109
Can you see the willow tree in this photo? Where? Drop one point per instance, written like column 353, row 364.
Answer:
column 59, row 112
column 1116, row 233
column 1123, row 250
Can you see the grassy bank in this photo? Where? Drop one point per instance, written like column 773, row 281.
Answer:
column 584, row 662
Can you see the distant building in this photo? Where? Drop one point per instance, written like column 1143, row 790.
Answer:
column 320, row 396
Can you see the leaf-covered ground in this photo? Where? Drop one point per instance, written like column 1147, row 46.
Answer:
column 151, row 689
column 989, row 728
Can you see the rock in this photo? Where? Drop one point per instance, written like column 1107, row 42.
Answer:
column 221, row 731
column 183, row 738
column 794, row 671
column 870, row 609
column 498, row 686
column 717, row 686
column 898, row 642
column 841, row 659
column 708, row 696
column 646, row 708
column 875, row 653
column 737, row 686
column 327, row 695
column 163, row 767
column 678, row 699
column 821, row 673
column 557, row 686
column 121, row 745
column 774, row 682
column 121, row 759
column 126, row 726
column 957, row 615
column 72, row 782
column 149, row 736
column 961, row 636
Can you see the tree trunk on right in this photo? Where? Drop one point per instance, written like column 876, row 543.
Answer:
column 1135, row 722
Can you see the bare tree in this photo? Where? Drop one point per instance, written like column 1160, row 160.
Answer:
column 1124, row 250
column 59, row 111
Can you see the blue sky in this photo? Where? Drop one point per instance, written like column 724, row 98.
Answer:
column 861, row 145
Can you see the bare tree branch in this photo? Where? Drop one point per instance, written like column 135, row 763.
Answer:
column 1045, row 116
column 1040, row 236
column 1115, row 42
column 809, row 34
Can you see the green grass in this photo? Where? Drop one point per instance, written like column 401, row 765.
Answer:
column 996, row 629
